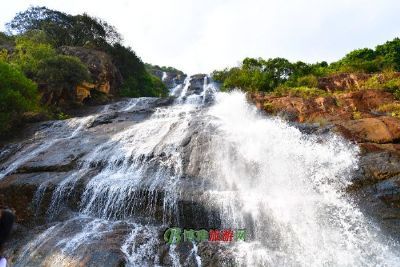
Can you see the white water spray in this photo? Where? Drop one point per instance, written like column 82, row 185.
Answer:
column 260, row 174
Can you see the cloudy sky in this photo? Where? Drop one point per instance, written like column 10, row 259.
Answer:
column 203, row 35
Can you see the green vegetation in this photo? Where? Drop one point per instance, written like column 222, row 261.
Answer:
column 61, row 72
column 137, row 80
column 356, row 115
column 303, row 92
column 270, row 75
column 153, row 68
column 266, row 75
column 30, row 49
column 62, row 29
column 30, row 53
column 18, row 94
column 393, row 109
column 269, row 107
column 387, row 80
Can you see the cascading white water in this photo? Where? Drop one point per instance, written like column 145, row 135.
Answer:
column 294, row 193
column 284, row 187
column 164, row 76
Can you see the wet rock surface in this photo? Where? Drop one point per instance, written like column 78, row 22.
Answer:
column 33, row 170
column 170, row 78
column 101, row 189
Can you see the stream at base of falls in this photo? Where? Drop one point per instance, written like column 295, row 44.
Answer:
column 201, row 160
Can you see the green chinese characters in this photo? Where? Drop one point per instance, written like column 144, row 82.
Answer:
column 175, row 235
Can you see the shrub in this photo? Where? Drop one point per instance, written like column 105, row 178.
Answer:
column 372, row 83
column 310, row 81
column 269, row 107
column 30, row 49
column 4, row 56
column 18, row 94
column 303, row 92
column 387, row 81
column 62, row 116
column 356, row 115
column 6, row 39
column 62, row 72
column 149, row 86
column 137, row 81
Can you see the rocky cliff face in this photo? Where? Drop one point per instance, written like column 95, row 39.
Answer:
column 342, row 81
column 346, row 81
column 105, row 76
column 170, row 78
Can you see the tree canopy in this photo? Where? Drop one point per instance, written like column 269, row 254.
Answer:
column 65, row 29
column 18, row 94
column 266, row 75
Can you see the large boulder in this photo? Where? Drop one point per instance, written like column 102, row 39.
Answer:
column 170, row 77
column 197, row 84
column 105, row 76
column 376, row 130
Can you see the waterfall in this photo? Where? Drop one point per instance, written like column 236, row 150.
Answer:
column 164, row 76
column 209, row 160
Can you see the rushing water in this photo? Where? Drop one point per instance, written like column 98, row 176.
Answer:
column 214, row 149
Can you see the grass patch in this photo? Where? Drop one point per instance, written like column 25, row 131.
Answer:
column 388, row 81
column 356, row 115
column 303, row 92
column 269, row 107
column 393, row 109
column 62, row 116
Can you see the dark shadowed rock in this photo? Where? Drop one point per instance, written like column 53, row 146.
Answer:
column 103, row 119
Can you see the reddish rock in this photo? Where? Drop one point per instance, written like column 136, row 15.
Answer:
column 393, row 125
column 368, row 130
column 348, row 81
column 342, row 81
column 332, row 108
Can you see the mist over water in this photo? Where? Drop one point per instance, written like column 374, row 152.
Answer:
column 292, row 186
column 286, row 188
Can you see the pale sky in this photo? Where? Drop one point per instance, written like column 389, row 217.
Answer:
column 203, row 35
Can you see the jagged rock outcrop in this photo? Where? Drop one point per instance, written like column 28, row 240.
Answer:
column 347, row 81
column 197, row 84
column 342, row 81
column 104, row 74
column 330, row 108
column 170, row 78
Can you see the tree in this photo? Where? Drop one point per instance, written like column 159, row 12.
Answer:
column 137, row 81
column 42, row 29
column 65, row 29
column 390, row 53
column 62, row 72
column 18, row 94
column 30, row 49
